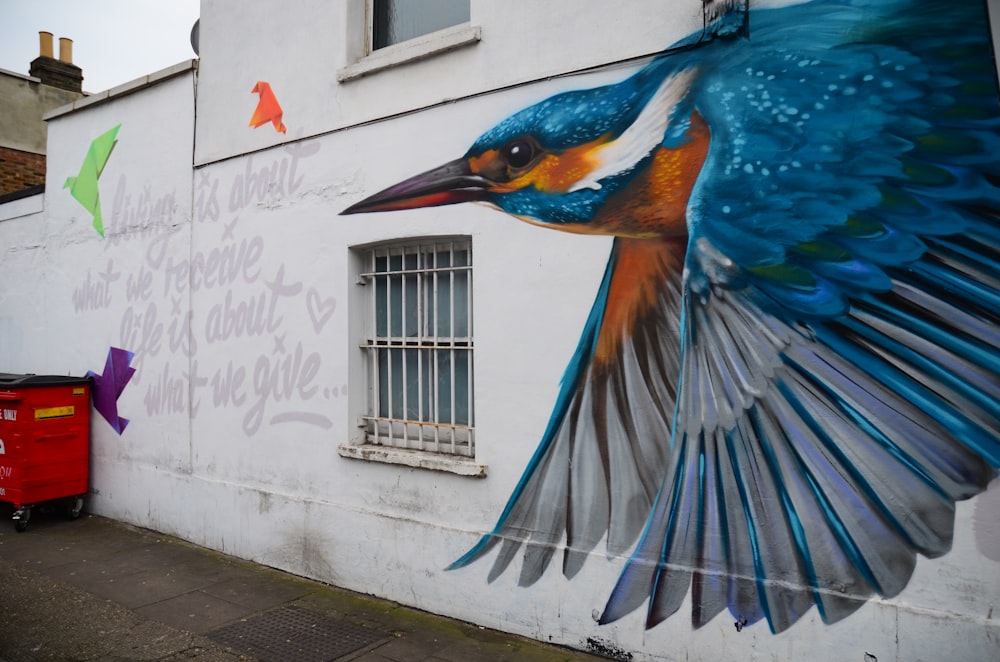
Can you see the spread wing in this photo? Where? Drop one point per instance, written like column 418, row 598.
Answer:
column 602, row 457
column 841, row 316
column 604, row 452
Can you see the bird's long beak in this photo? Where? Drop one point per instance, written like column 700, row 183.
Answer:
column 449, row 184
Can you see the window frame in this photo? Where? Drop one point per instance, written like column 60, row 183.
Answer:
column 416, row 438
column 370, row 29
column 369, row 61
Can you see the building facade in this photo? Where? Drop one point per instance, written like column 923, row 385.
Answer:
column 52, row 82
column 353, row 398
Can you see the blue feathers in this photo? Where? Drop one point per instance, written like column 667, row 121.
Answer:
column 799, row 395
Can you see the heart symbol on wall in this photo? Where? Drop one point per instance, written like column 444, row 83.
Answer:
column 319, row 309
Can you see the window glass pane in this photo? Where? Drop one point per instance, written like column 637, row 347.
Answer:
column 398, row 20
column 462, row 387
column 444, row 386
column 412, row 304
column 412, row 384
column 396, row 379
column 395, row 296
column 443, row 299
column 453, row 384
column 427, row 280
column 461, row 287
column 425, row 384
column 383, row 383
column 381, row 299
column 391, row 384
column 443, row 306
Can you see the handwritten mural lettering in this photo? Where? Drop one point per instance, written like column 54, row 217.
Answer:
column 223, row 265
column 320, row 310
column 142, row 334
column 139, row 286
column 95, row 292
column 228, row 388
column 206, row 206
column 279, row 378
column 141, row 215
column 181, row 340
column 243, row 297
column 269, row 182
column 166, row 395
column 253, row 316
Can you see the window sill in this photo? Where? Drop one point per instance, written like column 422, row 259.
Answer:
column 412, row 50
column 413, row 458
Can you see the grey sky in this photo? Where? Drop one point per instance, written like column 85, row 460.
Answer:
column 114, row 41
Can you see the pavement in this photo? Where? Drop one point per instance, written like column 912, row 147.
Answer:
column 97, row 589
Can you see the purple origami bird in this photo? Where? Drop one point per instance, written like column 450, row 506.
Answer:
column 109, row 386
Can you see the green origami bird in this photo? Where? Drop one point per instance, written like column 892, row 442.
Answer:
column 83, row 187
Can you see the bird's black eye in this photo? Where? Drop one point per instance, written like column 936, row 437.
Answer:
column 519, row 153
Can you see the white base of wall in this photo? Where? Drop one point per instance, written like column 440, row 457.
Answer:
column 312, row 538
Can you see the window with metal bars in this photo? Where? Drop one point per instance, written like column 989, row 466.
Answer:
column 419, row 346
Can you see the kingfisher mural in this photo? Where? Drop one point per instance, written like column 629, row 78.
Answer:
column 790, row 373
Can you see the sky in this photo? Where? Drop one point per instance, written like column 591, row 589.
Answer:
column 114, row 41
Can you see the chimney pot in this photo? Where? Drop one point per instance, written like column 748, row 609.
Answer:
column 66, row 50
column 61, row 73
column 45, row 44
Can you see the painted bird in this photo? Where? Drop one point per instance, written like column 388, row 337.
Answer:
column 790, row 373
column 268, row 109
column 84, row 187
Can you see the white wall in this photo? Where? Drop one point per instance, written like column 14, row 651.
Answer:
column 252, row 469
column 301, row 49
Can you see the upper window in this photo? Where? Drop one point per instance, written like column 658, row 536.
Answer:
column 394, row 21
column 419, row 346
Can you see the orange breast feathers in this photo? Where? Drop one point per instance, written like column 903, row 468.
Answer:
column 645, row 283
column 654, row 204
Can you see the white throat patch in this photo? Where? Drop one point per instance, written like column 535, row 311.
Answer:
column 643, row 135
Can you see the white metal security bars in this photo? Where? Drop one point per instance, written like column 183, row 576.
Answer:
column 420, row 347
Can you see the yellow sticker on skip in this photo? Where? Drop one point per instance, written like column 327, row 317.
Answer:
column 54, row 412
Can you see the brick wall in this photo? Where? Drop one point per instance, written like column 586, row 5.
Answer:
column 20, row 170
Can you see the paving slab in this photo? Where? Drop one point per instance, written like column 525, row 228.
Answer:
column 259, row 590
column 96, row 589
column 195, row 611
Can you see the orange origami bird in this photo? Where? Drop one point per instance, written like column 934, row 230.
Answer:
column 268, row 109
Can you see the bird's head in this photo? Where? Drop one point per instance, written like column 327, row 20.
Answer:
column 559, row 161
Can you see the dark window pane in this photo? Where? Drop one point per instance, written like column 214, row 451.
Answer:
column 461, row 386
column 381, row 299
column 412, row 384
column 443, row 305
column 398, row 20
column 383, row 382
column 396, row 306
column 461, row 321
column 444, row 387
